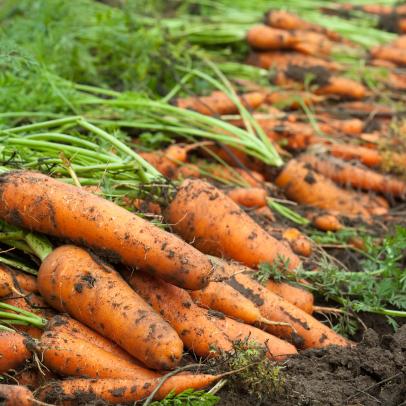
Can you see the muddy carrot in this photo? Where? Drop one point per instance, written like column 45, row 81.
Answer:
column 13, row 350
column 73, row 281
column 16, row 281
column 248, row 197
column 175, row 305
column 69, row 212
column 305, row 331
column 210, row 220
column 327, row 222
column 352, row 175
column 277, row 349
column 303, row 185
column 16, row 395
column 120, row 391
column 72, row 356
column 76, row 329
column 219, row 103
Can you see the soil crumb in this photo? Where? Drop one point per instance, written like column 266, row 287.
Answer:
column 369, row 374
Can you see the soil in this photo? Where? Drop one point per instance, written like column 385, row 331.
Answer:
column 369, row 374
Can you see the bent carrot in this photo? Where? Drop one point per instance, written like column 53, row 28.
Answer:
column 78, row 330
column 73, row 281
column 13, row 350
column 305, row 331
column 16, row 395
column 351, row 175
column 175, row 305
column 120, row 391
column 301, row 184
column 72, row 356
column 277, row 349
column 327, row 222
column 219, row 103
column 68, row 212
column 204, row 215
column 248, row 197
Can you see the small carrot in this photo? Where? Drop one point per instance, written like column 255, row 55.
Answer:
column 15, row 281
column 68, row 212
column 351, row 175
column 248, row 197
column 13, row 350
column 303, row 185
column 16, row 395
column 73, row 281
column 299, row 243
column 204, row 215
column 175, row 305
column 76, row 329
column 277, row 349
column 219, row 103
column 391, row 54
column 67, row 355
column 120, row 391
column 327, row 222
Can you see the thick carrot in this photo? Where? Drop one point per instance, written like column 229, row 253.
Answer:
column 73, row 281
column 205, row 216
column 277, row 349
column 72, row 356
column 13, row 350
column 299, row 243
column 16, row 395
column 176, row 306
column 248, row 197
column 38, row 202
column 391, row 54
column 120, row 391
column 219, row 103
column 303, row 185
column 76, row 329
column 327, row 222
column 352, row 175
column 305, row 331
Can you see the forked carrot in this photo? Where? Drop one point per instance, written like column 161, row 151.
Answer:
column 210, row 220
column 72, row 213
column 16, row 395
column 73, row 281
column 13, row 350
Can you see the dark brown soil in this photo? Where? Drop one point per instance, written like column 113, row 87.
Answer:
column 369, row 374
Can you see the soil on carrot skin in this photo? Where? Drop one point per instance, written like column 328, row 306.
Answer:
column 369, row 374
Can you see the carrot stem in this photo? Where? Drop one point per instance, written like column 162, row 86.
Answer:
column 39, row 244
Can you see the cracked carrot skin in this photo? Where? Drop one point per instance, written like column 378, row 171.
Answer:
column 13, row 350
column 216, row 225
column 39, row 203
column 73, row 281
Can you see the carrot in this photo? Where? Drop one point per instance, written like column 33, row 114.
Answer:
column 32, row 377
column 219, row 103
column 6, row 282
column 120, row 391
column 277, row 349
column 72, row 356
column 161, row 162
column 69, row 212
column 365, row 107
column 344, row 87
column 301, row 184
column 399, row 42
column 327, row 222
column 204, row 215
column 15, row 281
column 351, row 175
column 289, row 99
column 352, row 126
column 13, row 350
column 248, row 197
column 145, row 206
column 73, row 281
column 391, row 54
column 288, row 21
column 78, row 330
column 305, row 331
column 299, row 243
column 16, row 395
column 265, row 212
column 367, row 156
column 175, row 305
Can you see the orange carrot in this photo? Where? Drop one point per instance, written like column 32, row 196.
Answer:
column 13, row 350
column 351, row 175
column 277, row 349
column 304, row 330
column 69, row 212
column 352, row 126
column 161, row 162
column 15, row 281
column 248, row 197
column 16, row 395
column 219, row 103
column 327, row 222
column 301, row 184
column 289, row 99
column 76, row 329
column 391, row 54
column 145, row 206
column 175, row 305
column 31, row 377
column 344, row 87
column 6, row 282
column 120, row 391
column 265, row 212
column 299, row 243
column 73, row 281
column 204, row 215
column 72, row 356
column 367, row 156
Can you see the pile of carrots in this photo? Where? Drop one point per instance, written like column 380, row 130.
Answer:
column 117, row 301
